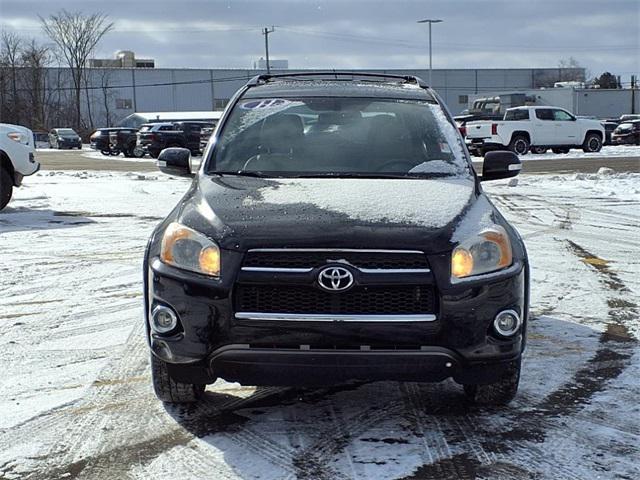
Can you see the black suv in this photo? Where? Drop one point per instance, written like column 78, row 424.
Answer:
column 116, row 140
column 153, row 138
column 336, row 230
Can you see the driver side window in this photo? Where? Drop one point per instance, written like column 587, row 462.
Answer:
column 562, row 116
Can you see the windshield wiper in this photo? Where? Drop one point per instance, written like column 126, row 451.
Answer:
column 241, row 173
column 373, row 175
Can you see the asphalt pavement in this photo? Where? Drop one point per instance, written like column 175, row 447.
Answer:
column 79, row 161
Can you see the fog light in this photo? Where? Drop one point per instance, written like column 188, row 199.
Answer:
column 163, row 319
column 507, row 323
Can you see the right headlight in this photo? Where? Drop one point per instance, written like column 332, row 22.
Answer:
column 185, row 248
column 18, row 137
column 487, row 252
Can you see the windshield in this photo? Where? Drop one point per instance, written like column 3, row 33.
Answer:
column 332, row 136
column 66, row 131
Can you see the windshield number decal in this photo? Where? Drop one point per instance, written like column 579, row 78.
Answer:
column 261, row 104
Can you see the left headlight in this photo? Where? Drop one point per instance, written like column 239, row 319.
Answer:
column 18, row 137
column 185, row 248
column 487, row 252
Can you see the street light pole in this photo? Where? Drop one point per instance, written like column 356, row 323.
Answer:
column 430, row 21
column 266, row 33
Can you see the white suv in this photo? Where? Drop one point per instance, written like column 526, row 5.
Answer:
column 17, row 158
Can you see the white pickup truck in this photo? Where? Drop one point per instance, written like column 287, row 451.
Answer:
column 535, row 129
column 17, row 158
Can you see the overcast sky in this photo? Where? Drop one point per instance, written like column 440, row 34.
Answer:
column 600, row 34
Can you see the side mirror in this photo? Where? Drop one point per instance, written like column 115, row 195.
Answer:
column 175, row 161
column 500, row 164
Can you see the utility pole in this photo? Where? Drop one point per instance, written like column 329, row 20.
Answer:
column 633, row 94
column 430, row 21
column 266, row 32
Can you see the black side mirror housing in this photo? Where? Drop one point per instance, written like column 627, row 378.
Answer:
column 500, row 164
column 175, row 161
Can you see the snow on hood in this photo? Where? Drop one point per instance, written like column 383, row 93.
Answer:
column 421, row 202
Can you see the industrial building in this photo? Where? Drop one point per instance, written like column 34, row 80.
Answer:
column 115, row 93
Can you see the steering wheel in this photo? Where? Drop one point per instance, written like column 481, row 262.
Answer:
column 384, row 167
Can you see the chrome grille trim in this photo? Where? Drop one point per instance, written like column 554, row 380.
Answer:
column 276, row 269
column 351, row 250
column 322, row 317
column 394, row 270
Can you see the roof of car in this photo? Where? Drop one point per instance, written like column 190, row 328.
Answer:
column 339, row 88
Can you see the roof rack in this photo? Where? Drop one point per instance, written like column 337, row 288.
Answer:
column 264, row 78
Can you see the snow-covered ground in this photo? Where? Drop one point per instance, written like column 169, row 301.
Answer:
column 607, row 151
column 75, row 395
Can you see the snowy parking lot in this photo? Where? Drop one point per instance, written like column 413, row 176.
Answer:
column 76, row 399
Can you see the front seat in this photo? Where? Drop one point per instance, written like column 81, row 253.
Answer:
column 280, row 138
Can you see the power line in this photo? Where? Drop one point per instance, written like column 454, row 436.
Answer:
column 146, row 85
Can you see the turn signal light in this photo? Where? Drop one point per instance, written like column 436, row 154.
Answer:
column 461, row 263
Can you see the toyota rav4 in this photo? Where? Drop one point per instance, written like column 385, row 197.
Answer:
column 336, row 230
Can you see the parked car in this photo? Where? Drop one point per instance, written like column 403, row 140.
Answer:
column 64, row 138
column 41, row 139
column 336, row 231
column 609, row 127
column 99, row 140
column 628, row 117
column 538, row 128
column 17, row 159
column 627, row 133
column 124, row 140
column 153, row 138
column 492, row 108
column 205, row 135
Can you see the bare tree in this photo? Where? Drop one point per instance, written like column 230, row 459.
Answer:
column 76, row 36
column 570, row 70
column 10, row 45
column 34, row 59
column 107, row 95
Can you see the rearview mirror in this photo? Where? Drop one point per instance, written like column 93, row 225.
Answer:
column 500, row 164
column 175, row 161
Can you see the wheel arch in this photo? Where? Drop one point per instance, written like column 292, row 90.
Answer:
column 520, row 133
column 597, row 132
column 5, row 162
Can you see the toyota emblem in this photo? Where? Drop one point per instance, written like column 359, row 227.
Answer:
column 335, row 279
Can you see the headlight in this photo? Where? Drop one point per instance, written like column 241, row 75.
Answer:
column 487, row 252
column 18, row 137
column 185, row 248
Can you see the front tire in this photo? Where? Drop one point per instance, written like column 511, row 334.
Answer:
column 6, row 187
column 519, row 145
column 538, row 150
column 592, row 143
column 170, row 391
column 560, row 150
column 497, row 393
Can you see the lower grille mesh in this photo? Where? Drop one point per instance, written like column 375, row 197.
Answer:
column 404, row 299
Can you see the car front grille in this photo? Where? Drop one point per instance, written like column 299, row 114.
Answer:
column 316, row 258
column 374, row 300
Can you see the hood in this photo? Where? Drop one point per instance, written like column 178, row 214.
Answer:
column 243, row 212
column 624, row 127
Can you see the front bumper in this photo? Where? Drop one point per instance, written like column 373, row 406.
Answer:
column 625, row 139
column 480, row 145
column 212, row 343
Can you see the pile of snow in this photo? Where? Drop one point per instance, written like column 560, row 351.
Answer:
column 607, row 151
